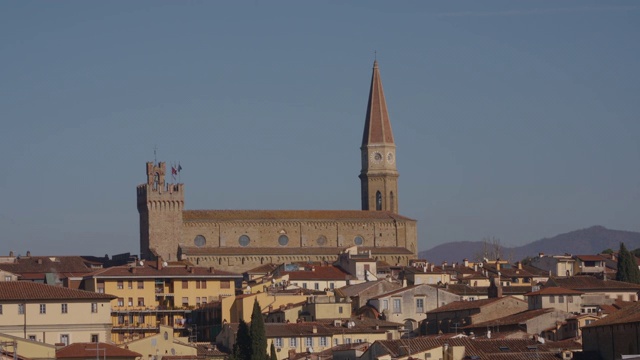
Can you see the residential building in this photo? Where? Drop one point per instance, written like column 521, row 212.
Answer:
column 456, row 315
column 26, row 349
column 531, row 322
column 409, row 305
column 615, row 335
column 359, row 294
column 53, row 314
column 163, row 345
column 555, row 297
column 555, row 265
column 152, row 293
column 311, row 337
column 597, row 291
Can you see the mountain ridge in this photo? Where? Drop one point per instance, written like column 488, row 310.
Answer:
column 591, row 240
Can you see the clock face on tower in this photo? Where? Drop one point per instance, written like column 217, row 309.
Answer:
column 376, row 157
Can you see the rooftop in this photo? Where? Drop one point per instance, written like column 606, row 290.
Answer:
column 27, row 290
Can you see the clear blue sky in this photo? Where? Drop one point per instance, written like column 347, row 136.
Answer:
column 517, row 120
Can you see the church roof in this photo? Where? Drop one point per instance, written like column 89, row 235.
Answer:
column 377, row 128
column 256, row 251
column 305, row 215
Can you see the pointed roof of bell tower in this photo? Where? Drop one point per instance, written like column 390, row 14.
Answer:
column 377, row 127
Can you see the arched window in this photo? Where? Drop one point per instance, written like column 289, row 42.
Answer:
column 378, row 201
column 156, row 181
column 392, row 200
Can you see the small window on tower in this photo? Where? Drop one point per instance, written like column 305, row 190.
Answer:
column 378, row 201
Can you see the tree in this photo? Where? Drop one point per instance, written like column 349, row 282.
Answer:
column 257, row 334
column 273, row 355
column 627, row 266
column 607, row 251
column 242, row 346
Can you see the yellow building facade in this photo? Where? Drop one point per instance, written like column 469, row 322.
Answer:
column 153, row 294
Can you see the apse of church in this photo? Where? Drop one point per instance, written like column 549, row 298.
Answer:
column 238, row 240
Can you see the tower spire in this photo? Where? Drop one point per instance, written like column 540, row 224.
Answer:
column 379, row 175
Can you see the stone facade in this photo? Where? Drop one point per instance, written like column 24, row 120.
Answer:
column 239, row 240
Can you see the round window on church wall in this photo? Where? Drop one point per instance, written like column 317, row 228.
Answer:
column 244, row 240
column 283, row 240
column 199, row 241
column 322, row 240
column 358, row 240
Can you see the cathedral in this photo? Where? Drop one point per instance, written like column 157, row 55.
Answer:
column 238, row 240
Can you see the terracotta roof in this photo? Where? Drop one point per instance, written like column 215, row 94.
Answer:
column 38, row 266
column 554, row 290
column 319, row 273
column 514, row 319
column 273, row 251
column 629, row 314
column 468, row 305
column 292, row 215
column 324, row 328
column 88, row 351
column 27, row 290
column 588, row 282
column 464, row 290
column 353, row 290
column 377, row 128
column 262, row 269
column 149, row 269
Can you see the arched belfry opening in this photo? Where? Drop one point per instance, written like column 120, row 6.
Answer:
column 156, row 181
column 378, row 201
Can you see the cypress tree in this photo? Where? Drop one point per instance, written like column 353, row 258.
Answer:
column 257, row 333
column 242, row 346
column 273, row 356
column 627, row 266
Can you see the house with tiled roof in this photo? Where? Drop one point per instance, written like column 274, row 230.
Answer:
column 152, row 293
column 555, row 297
column 465, row 348
column 614, row 335
column 312, row 337
column 589, row 265
column 554, row 265
column 53, row 314
column 597, row 291
column 532, row 322
column 359, row 294
column 409, row 305
column 163, row 345
column 453, row 316
column 426, row 274
column 91, row 351
column 320, row 276
column 52, row 270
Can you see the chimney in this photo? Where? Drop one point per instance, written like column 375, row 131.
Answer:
column 133, row 270
column 540, row 254
column 292, row 353
column 159, row 264
column 466, row 263
column 497, row 265
column 314, row 329
column 39, row 261
column 211, row 269
column 519, row 263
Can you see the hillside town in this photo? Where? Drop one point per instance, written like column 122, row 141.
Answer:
column 557, row 306
column 334, row 284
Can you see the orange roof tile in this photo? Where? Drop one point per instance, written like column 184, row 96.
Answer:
column 377, row 127
column 89, row 351
column 27, row 290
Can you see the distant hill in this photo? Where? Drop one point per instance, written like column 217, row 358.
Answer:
column 579, row 242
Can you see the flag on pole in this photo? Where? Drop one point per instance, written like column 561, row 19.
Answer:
column 174, row 172
column 179, row 168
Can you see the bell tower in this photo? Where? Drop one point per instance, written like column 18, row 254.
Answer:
column 379, row 175
column 160, row 207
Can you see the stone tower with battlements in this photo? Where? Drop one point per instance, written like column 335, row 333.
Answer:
column 379, row 175
column 160, row 206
